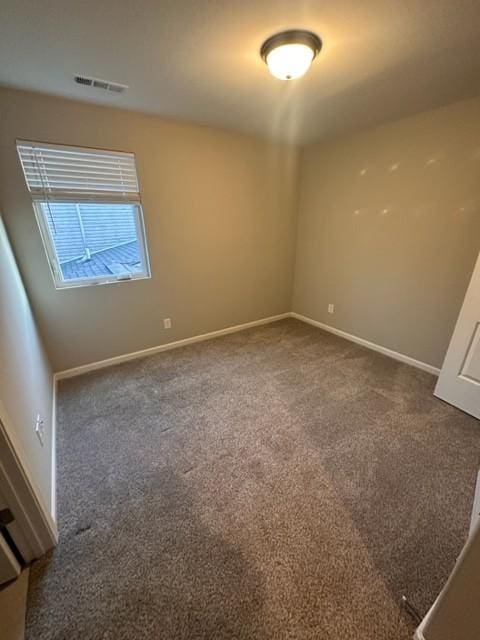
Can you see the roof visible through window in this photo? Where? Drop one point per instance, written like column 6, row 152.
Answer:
column 94, row 239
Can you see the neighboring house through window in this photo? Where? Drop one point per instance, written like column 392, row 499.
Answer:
column 88, row 207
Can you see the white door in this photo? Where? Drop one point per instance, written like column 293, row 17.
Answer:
column 459, row 380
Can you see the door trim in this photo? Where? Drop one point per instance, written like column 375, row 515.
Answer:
column 10, row 568
column 33, row 530
column 454, row 385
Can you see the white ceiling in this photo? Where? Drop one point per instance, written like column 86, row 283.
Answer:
column 198, row 60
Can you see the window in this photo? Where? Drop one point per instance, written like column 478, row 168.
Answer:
column 88, row 208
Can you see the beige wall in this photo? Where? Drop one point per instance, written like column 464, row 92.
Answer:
column 389, row 229
column 220, row 219
column 25, row 376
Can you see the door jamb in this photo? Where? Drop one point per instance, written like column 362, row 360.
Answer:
column 33, row 530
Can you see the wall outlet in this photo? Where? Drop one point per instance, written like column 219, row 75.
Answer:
column 331, row 308
column 167, row 323
column 40, row 428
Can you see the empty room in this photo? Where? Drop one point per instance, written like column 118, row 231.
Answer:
column 239, row 320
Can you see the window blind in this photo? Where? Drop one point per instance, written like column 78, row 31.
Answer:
column 57, row 172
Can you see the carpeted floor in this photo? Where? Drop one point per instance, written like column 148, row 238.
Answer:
column 276, row 483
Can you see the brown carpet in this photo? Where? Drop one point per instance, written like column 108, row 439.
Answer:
column 276, row 483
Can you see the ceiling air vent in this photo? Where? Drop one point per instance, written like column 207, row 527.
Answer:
column 97, row 83
column 100, row 84
column 82, row 80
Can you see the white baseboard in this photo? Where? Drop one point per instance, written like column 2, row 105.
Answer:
column 53, row 495
column 371, row 345
column 76, row 371
column 85, row 368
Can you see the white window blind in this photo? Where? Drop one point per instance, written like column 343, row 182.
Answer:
column 57, row 172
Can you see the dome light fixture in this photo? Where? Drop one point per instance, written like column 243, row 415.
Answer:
column 289, row 54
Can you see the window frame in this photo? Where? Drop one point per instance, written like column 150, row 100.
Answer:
column 54, row 263
column 88, row 196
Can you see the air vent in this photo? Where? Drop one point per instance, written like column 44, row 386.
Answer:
column 82, row 80
column 97, row 83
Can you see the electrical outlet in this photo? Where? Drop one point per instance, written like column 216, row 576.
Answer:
column 167, row 323
column 40, row 428
column 331, row 308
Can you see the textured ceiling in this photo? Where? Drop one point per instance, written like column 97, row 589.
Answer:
column 198, row 60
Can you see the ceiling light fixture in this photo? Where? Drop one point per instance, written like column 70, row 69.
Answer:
column 289, row 54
